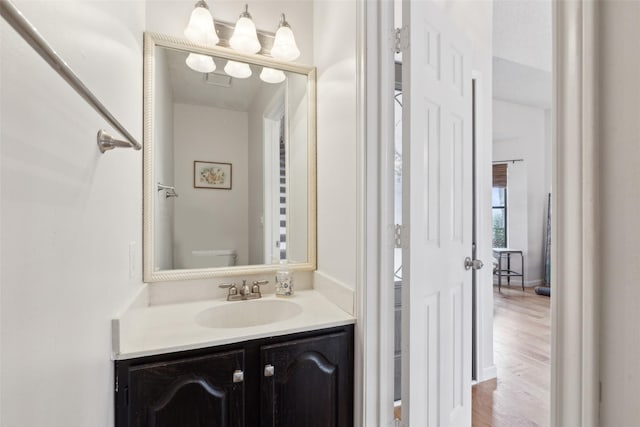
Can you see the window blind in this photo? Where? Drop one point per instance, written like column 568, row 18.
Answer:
column 500, row 175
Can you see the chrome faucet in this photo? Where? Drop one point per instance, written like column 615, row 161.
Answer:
column 245, row 292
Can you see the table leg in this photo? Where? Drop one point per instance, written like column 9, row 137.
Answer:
column 522, row 269
column 499, row 271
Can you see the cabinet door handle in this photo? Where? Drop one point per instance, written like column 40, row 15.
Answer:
column 238, row 376
column 269, row 370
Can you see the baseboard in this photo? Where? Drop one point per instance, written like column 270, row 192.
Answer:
column 488, row 373
column 335, row 291
column 516, row 282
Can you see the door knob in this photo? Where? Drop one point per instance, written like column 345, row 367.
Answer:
column 269, row 370
column 469, row 263
column 238, row 376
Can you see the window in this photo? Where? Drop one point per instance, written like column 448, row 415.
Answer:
column 499, row 197
column 499, row 206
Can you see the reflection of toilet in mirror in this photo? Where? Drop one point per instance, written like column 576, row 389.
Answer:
column 211, row 258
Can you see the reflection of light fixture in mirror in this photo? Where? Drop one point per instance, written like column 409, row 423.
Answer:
column 269, row 75
column 284, row 45
column 238, row 70
column 200, row 63
column 201, row 28
column 245, row 38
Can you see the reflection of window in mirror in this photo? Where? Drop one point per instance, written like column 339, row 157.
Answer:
column 281, row 243
column 274, row 167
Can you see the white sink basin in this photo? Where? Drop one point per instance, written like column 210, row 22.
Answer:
column 243, row 314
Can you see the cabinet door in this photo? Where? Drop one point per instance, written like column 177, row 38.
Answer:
column 195, row 392
column 308, row 382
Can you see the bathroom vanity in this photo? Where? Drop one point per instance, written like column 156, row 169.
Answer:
column 269, row 361
column 303, row 379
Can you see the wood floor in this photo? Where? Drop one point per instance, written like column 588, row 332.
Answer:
column 520, row 395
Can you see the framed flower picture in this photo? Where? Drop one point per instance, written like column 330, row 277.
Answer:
column 212, row 175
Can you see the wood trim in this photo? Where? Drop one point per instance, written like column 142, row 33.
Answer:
column 575, row 271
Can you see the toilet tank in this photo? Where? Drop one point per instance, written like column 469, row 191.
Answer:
column 210, row 258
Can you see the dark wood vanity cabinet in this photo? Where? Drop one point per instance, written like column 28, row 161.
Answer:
column 303, row 379
column 307, row 382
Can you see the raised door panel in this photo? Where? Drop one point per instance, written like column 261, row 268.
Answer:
column 312, row 382
column 194, row 392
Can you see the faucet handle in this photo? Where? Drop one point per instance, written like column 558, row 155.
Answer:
column 256, row 285
column 233, row 290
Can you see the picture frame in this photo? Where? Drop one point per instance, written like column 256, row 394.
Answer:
column 212, row 175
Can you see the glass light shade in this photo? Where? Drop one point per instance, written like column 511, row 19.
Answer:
column 201, row 29
column 238, row 70
column 284, row 45
column 245, row 37
column 200, row 63
column 269, row 75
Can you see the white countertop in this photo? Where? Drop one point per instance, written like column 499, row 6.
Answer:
column 145, row 331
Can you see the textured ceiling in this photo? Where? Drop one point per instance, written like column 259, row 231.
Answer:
column 522, row 32
column 522, row 51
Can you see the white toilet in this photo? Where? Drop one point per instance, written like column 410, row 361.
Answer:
column 210, row 258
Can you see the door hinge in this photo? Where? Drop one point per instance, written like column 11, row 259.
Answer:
column 397, row 235
column 402, row 38
column 397, row 422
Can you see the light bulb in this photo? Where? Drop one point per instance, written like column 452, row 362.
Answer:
column 201, row 29
column 284, row 44
column 238, row 70
column 245, row 37
column 201, row 63
column 269, row 75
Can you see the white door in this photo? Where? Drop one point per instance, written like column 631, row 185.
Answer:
column 437, row 214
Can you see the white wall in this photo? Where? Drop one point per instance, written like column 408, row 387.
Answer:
column 334, row 48
column 210, row 218
column 521, row 132
column 619, row 206
column 163, row 134
column 68, row 212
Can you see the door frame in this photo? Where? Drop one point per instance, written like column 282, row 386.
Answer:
column 574, row 308
column 271, row 147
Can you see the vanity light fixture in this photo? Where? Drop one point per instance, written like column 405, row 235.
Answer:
column 201, row 29
column 245, row 37
column 284, row 45
column 239, row 70
column 200, row 63
column 269, row 75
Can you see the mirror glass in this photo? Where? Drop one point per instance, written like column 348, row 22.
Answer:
column 229, row 161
